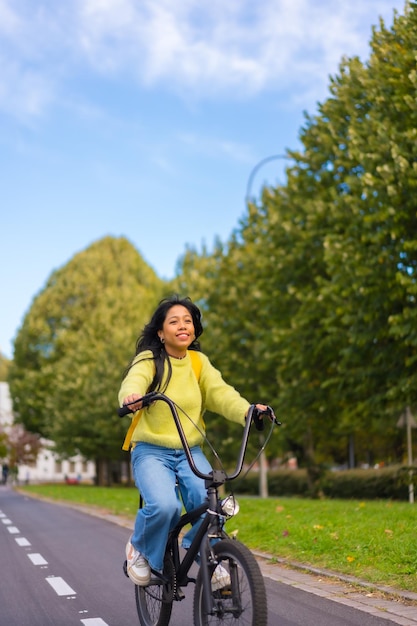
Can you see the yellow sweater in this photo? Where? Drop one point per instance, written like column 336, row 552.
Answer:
column 156, row 424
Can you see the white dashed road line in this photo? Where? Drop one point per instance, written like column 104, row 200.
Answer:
column 22, row 542
column 57, row 583
column 37, row 559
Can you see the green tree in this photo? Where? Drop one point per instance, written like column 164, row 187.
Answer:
column 219, row 284
column 266, row 306
column 74, row 345
column 361, row 154
column 23, row 447
column 4, row 368
column 342, row 239
column 3, row 443
column 197, row 277
column 318, row 285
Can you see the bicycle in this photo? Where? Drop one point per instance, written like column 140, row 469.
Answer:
column 243, row 601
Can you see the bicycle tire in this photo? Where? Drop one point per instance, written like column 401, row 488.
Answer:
column 154, row 602
column 244, row 602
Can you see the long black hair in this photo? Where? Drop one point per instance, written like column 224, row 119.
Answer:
column 149, row 338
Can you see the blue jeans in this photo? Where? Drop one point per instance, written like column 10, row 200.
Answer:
column 156, row 470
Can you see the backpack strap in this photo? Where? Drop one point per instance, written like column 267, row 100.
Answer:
column 135, row 421
column 196, row 364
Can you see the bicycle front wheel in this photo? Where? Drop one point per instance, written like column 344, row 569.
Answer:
column 243, row 601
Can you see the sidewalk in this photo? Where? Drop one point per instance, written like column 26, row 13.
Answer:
column 386, row 602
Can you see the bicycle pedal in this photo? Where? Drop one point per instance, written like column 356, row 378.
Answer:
column 180, row 595
column 125, row 569
column 160, row 578
column 226, row 591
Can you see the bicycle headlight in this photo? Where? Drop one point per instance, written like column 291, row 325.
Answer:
column 229, row 506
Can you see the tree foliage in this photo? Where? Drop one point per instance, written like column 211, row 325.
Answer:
column 314, row 305
column 371, row 248
column 75, row 343
column 4, row 367
column 22, row 447
column 3, row 443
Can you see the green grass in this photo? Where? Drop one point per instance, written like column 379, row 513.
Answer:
column 372, row 540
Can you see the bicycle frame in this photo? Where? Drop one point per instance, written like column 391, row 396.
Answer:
column 182, row 567
column 210, row 507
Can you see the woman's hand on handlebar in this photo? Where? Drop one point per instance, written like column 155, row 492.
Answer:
column 134, row 402
column 258, row 414
column 262, row 408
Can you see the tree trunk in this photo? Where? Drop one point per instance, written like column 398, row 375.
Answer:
column 102, row 473
column 351, row 461
column 314, row 471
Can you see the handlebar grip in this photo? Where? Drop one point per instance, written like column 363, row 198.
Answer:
column 123, row 410
column 260, row 423
column 147, row 399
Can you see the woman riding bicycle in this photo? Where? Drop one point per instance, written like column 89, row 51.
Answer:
column 160, row 467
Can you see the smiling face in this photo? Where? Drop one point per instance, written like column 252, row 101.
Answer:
column 177, row 331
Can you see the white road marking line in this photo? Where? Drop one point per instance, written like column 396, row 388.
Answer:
column 59, row 585
column 22, row 541
column 37, row 559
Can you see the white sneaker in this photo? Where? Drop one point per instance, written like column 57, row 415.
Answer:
column 220, row 578
column 138, row 568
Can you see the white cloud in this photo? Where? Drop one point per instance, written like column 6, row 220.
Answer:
column 207, row 46
column 23, row 92
column 33, row 45
column 9, row 21
column 198, row 48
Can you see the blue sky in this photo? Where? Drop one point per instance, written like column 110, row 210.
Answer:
column 145, row 119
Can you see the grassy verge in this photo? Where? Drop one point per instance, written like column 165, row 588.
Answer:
column 372, row 540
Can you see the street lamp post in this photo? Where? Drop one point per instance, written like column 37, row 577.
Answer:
column 273, row 157
column 263, row 466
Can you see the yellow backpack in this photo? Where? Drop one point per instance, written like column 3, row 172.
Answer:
column 196, row 365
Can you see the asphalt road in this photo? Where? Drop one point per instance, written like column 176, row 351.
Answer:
column 62, row 567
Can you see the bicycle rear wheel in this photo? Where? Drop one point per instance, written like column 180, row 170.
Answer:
column 154, row 602
column 243, row 603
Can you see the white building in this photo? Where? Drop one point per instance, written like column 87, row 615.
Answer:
column 48, row 466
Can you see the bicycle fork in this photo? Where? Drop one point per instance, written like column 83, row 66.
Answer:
column 208, row 558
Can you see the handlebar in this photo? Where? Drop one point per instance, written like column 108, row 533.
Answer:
column 216, row 477
column 146, row 400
